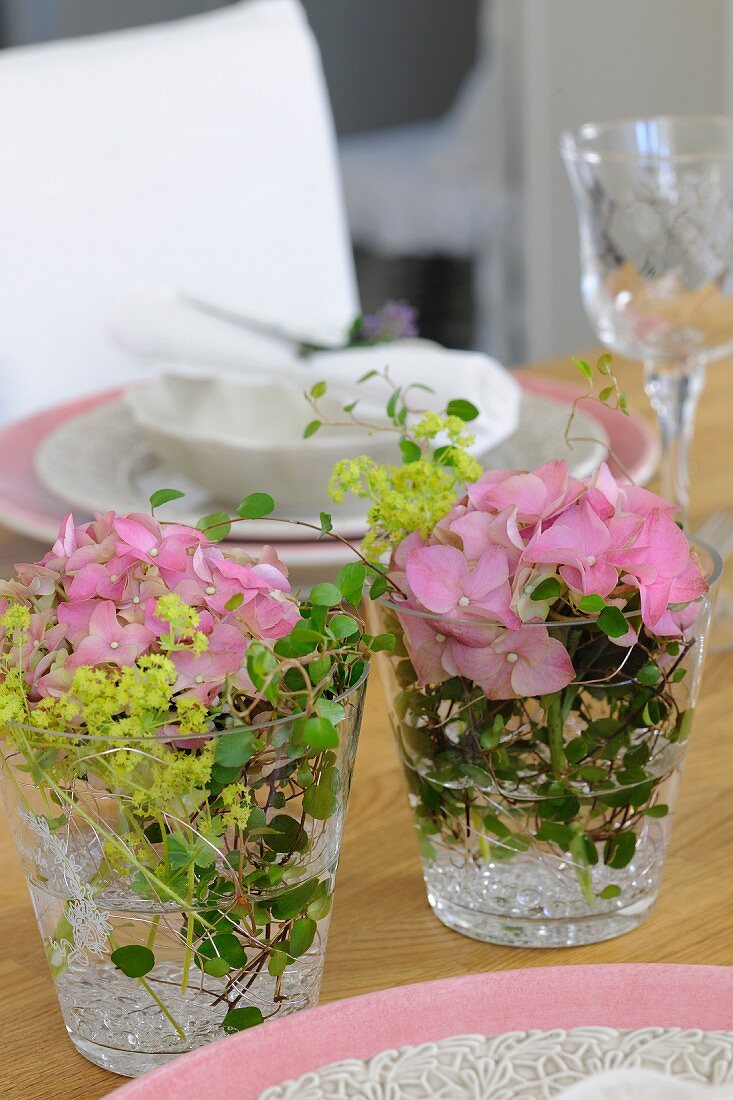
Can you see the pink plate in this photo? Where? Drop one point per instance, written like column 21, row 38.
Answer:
column 634, row 446
column 30, row 509
column 616, row 996
column 27, row 507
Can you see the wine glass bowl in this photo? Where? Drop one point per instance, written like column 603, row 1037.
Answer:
column 655, row 210
column 654, row 199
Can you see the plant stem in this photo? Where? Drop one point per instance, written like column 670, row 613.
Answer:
column 174, row 1024
column 154, row 996
column 553, row 712
column 189, row 928
column 153, row 931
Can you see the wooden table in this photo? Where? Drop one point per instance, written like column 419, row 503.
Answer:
column 383, row 932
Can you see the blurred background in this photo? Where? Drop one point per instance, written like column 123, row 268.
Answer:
column 447, row 116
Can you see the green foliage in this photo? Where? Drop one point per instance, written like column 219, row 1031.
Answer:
column 256, row 505
column 216, row 526
column 325, row 595
column 133, row 961
column 239, row 1019
column 613, row 622
column 464, row 410
column 163, row 496
column 548, row 589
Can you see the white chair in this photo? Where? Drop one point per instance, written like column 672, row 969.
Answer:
column 440, row 187
column 198, row 154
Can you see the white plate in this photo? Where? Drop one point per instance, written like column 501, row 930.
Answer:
column 96, row 461
column 521, row 1065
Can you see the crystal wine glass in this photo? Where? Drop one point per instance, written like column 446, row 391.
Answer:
column 654, row 198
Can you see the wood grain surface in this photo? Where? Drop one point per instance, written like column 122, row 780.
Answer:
column 383, row 932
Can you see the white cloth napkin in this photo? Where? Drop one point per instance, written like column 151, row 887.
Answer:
column 470, row 375
column 637, row 1084
column 153, row 323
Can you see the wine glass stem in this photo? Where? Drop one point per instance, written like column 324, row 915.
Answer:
column 674, row 389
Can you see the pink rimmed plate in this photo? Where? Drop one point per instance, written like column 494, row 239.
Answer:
column 582, row 1015
column 28, row 507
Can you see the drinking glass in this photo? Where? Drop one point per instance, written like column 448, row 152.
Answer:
column 654, row 199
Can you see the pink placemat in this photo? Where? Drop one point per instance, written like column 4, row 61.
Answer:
column 616, row 996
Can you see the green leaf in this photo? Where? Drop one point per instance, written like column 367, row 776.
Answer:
column 648, row 675
column 256, row 505
column 464, row 410
column 239, row 1019
column 325, row 595
column 311, row 428
column 327, row 708
column 235, row 749
column 612, row 622
column 326, row 523
column 320, row 802
column 229, row 947
column 378, row 587
column 604, row 363
column 592, row 772
column 319, row 734
column 583, row 367
column 576, row 749
column 410, row 451
column 318, row 390
column 343, row 626
column 561, row 835
column 261, row 664
column 133, row 961
column 350, row 582
column 302, row 935
column 162, row 496
column 290, row 903
column 605, row 393
column 496, row 826
column 623, row 404
column 660, row 810
column 216, row 526
column 383, row 643
column 392, row 403
column 278, row 961
column 619, row 850
column 549, row 589
column 285, row 835
column 217, row 967
column 610, row 891
column 365, row 377
column 234, row 602
column 591, row 604
column 350, row 407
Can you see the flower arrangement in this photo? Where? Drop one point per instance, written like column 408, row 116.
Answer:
column 179, row 736
column 549, row 642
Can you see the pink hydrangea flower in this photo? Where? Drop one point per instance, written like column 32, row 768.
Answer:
column 109, row 641
column 513, row 531
column 93, row 602
column 444, row 582
column 517, row 664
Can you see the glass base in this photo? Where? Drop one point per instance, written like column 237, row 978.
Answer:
column 521, row 932
column 536, row 901
column 113, row 1023
column 127, row 1063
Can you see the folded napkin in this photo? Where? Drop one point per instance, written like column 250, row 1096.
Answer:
column 638, row 1084
column 470, row 375
column 154, row 324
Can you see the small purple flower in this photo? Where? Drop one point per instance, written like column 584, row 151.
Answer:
column 396, row 320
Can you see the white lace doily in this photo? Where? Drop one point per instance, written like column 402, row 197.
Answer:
column 521, row 1065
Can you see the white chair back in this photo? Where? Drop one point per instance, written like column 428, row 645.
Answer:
column 198, row 154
